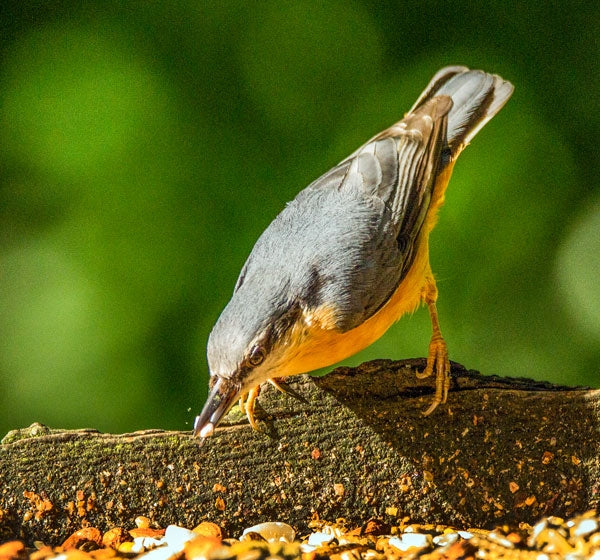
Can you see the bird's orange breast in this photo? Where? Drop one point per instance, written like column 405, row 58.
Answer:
column 321, row 345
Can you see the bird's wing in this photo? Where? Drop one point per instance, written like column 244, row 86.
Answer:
column 392, row 175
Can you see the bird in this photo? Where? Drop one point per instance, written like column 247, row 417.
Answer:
column 349, row 255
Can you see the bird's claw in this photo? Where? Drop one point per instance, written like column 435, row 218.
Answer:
column 438, row 361
column 246, row 404
column 248, row 399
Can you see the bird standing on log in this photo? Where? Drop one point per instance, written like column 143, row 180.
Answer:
column 350, row 254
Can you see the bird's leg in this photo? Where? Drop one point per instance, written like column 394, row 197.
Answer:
column 246, row 404
column 279, row 385
column 437, row 357
column 247, row 400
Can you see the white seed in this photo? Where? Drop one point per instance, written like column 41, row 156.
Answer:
column 176, row 537
column 410, row 540
column 536, row 532
column 140, row 544
column 207, row 430
column 499, row 539
column 160, row 553
column 273, row 531
column 319, row 539
column 445, row 540
column 584, row 527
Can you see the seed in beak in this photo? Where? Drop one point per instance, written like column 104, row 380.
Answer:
column 207, row 430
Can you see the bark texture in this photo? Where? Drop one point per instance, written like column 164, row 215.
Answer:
column 354, row 444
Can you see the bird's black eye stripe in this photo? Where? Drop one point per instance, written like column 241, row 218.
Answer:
column 257, row 356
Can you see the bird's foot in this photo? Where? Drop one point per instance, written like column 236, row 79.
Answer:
column 438, row 361
column 248, row 399
column 278, row 383
column 246, row 404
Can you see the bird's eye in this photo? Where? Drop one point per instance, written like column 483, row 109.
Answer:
column 257, row 356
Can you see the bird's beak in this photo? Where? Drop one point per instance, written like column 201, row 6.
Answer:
column 220, row 399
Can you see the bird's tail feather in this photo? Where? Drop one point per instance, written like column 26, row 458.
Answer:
column 476, row 95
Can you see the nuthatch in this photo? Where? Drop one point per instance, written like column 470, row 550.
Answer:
column 349, row 255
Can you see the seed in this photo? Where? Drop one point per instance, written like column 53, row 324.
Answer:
column 273, row 531
column 176, row 536
column 407, row 541
column 208, row 529
column 319, row 539
column 114, row 538
column 142, row 522
column 207, row 430
column 497, row 538
column 584, row 527
column 85, row 535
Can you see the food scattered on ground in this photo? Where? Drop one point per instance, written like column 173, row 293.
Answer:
column 551, row 538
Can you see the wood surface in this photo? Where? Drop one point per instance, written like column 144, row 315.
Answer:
column 352, row 445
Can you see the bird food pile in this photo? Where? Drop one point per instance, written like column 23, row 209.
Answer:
column 552, row 537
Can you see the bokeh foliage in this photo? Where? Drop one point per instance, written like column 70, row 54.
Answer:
column 144, row 146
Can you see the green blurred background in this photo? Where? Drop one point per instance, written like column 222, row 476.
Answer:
column 144, row 146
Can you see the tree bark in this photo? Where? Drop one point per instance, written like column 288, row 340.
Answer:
column 352, row 444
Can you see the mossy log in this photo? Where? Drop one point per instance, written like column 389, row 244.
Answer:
column 352, row 444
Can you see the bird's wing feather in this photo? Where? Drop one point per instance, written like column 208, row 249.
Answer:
column 476, row 95
column 392, row 177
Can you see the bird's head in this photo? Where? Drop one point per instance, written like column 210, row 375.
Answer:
column 252, row 341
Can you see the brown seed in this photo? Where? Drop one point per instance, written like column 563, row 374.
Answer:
column 147, row 532
column 126, row 547
column 113, row 538
column 201, row 547
column 85, row 535
column 547, row 457
column 142, row 522
column 11, row 549
column 514, row 538
column 42, row 553
column 530, row 500
column 208, row 529
column 513, row 486
column 40, row 502
column 376, row 527
column 460, row 549
column 315, row 453
column 220, row 504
